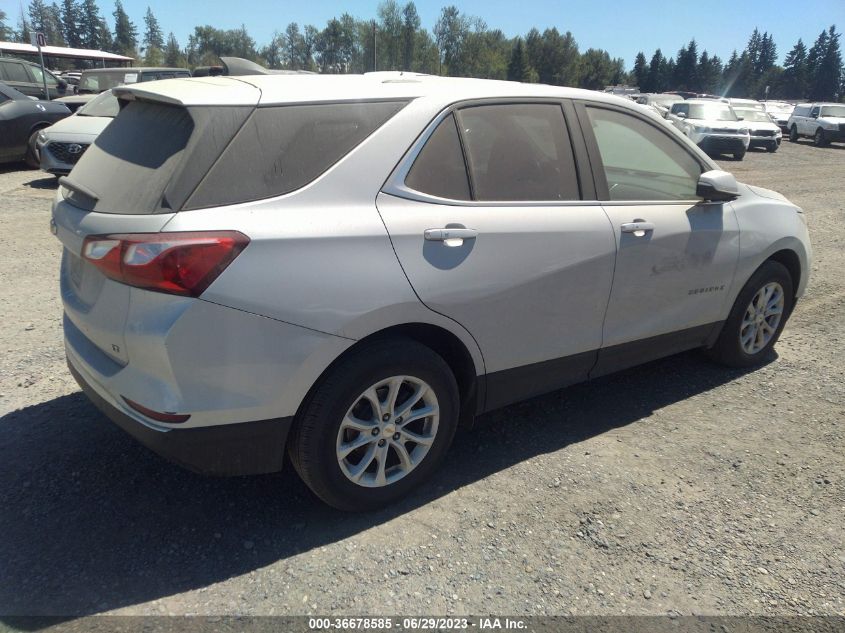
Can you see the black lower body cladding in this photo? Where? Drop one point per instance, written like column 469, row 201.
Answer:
column 246, row 448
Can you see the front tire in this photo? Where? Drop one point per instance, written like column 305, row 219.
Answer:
column 32, row 158
column 756, row 319
column 772, row 148
column 793, row 134
column 819, row 139
column 739, row 154
column 376, row 426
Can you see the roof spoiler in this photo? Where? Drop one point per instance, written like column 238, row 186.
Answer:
column 218, row 91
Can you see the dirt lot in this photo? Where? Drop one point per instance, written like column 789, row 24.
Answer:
column 678, row 487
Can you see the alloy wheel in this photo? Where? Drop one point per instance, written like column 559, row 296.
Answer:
column 388, row 431
column 762, row 318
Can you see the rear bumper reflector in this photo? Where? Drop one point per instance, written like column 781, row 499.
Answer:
column 172, row 418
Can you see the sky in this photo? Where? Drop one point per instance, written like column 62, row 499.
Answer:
column 622, row 27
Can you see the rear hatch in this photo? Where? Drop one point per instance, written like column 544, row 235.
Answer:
column 132, row 179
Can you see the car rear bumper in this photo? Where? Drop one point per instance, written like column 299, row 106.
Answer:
column 246, row 448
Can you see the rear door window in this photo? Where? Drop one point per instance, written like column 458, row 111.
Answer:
column 439, row 169
column 519, row 152
column 282, row 148
column 16, row 72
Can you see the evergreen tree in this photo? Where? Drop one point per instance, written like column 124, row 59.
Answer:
column 125, row 33
column 640, row 71
column 814, row 57
column 657, row 73
column 173, row 57
column 295, row 45
column 518, row 68
column 825, row 66
column 597, row 69
column 737, row 75
column 685, row 76
column 450, row 32
column 90, row 25
column 709, row 73
column 24, row 32
column 794, row 83
column 71, row 15
column 153, row 40
column 5, row 31
column 46, row 19
column 410, row 25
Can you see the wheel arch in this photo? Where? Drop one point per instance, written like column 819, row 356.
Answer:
column 40, row 125
column 440, row 340
column 790, row 260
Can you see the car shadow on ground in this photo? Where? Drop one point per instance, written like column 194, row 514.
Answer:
column 6, row 168
column 42, row 181
column 809, row 141
column 93, row 521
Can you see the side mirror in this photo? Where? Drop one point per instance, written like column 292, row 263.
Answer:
column 681, row 115
column 717, row 186
column 740, row 118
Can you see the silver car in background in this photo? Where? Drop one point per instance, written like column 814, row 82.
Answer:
column 61, row 145
column 348, row 268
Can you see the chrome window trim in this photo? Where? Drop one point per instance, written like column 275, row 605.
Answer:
column 395, row 184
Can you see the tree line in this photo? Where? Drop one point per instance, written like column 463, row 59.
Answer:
column 816, row 74
column 458, row 45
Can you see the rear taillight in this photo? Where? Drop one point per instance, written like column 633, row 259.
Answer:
column 175, row 263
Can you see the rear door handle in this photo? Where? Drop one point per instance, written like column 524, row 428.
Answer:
column 452, row 237
column 638, row 227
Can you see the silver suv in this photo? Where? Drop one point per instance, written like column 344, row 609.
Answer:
column 348, row 268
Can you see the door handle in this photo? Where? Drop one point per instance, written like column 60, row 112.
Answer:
column 451, row 237
column 637, row 227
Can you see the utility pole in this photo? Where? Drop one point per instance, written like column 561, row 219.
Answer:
column 375, row 49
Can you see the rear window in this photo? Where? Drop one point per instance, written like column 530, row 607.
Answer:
column 129, row 165
column 157, row 158
column 280, row 149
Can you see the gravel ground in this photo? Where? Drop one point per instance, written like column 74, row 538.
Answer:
column 677, row 487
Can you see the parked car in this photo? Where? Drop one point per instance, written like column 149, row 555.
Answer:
column 346, row 268
column 779, row 111
column 71, row 76
column 62, row 145
column 96, row 80
column 28, row 78
column 660, row 102
column 746, row 104
column 712, row 125
column 823, row 122
column 762, row 130
column 21, row 117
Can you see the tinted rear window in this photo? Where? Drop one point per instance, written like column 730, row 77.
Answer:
column 519, row 152
column 439, row 169
column 151, row 157
column 282, row 148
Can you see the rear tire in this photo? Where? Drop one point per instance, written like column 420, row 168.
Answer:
column 754, row 312
column 793, row 134
column 340, row 413
column 32, row 157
